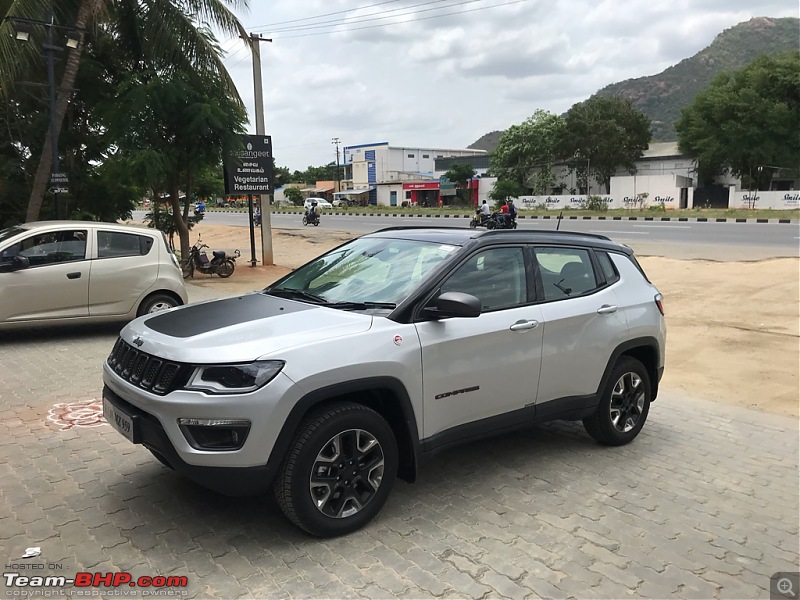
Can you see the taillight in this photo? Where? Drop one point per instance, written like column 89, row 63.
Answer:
column 659, row 303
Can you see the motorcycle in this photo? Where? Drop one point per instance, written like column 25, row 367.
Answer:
column 493, row 221
column 222, row 264
column 310, row 218
column 257, row 218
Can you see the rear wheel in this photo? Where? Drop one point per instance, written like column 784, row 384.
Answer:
column 624, row 405
column 156, row 303
column 316, row 222
column 339, row 470
column 226, row 268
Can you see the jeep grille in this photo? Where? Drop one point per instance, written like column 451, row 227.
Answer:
column 146, row 371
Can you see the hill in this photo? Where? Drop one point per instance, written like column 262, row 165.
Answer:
column 487, row 141
column 661, row 97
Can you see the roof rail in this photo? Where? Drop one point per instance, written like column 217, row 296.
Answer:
column 551, row 232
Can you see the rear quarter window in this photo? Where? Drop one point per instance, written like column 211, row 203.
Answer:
column 608, row 268
column 112, row 244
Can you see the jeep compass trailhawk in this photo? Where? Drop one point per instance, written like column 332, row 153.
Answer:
column 339, row 377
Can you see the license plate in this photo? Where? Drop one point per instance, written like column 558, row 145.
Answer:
column 119, row 420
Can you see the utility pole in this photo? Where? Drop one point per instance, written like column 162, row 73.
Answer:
column 267, row 257
column 338, row 174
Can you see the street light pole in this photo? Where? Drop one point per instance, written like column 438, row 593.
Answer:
column 50, row 51
column 23, row 26
column 338, row 174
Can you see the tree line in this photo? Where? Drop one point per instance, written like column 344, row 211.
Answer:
column 744, row 124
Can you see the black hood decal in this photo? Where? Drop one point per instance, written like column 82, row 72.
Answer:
column 210, row 316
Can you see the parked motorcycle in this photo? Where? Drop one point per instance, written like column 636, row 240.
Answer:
column 222, row 264
column 310, row 218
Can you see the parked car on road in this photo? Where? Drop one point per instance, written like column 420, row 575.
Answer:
column 321, row 202
column 73, row 271
column 343, row 374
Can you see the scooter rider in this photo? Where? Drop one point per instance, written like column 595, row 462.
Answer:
column 485, row 212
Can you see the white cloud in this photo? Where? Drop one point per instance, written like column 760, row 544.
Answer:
column 446, row 81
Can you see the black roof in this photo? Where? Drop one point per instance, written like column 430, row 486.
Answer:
column 459, row 236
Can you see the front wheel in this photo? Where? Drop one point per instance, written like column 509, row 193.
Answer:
column 624, row 405
column 305, row 221
column 226, row 268
column 473, row 224
column 339, row 470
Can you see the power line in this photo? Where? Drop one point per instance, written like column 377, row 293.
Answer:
column 362, row 18
column 339, row 12
column 458, row 12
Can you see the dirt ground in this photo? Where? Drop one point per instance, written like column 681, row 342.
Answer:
column 733, row 328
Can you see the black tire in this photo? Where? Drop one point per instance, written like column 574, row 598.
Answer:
column 226, row 268
column 624, row 405
column 490, row 225
column 305, row 221
column 316, row 222
column 349, row 426
column 156, row 303
column 472, row 224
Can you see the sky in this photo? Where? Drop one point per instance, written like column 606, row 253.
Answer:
column 441, row 73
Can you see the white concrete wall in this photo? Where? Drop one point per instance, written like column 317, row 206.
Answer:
column 660, row 189
column 775, row 200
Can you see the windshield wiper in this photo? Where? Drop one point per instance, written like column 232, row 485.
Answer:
column 293, row 293
column 361, row 305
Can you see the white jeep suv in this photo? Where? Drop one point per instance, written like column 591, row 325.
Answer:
column 345, row 373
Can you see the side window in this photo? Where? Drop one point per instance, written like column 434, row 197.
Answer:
column 49, row 248
column 609, row 270
column 495, row 276
column 565, row 272
column 116, row 243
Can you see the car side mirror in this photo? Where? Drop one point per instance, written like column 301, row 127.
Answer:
column 20, row 262
column 454, row 304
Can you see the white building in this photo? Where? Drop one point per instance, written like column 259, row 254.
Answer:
column 389, row 175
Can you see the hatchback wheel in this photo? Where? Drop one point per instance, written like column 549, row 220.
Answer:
column 624, row 405
column 339, row 470
column 156, row 303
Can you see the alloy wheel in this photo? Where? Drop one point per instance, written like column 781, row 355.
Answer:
column 627, row 402
column 347, row 473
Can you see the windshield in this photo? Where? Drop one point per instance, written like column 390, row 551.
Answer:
column 367, row 270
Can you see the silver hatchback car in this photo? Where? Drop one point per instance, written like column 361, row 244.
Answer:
column 73, row 271
column 344, row 374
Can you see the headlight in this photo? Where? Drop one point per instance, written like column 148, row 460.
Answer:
column 234, row 379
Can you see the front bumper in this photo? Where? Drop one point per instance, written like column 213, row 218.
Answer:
column 232, row 481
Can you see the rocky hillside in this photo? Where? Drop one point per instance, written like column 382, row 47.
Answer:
column 661, row 97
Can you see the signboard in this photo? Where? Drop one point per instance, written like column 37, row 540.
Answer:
column 59, row 190
column 59, row 178
column 249, row 170
column 447, row 187
column 433, row 185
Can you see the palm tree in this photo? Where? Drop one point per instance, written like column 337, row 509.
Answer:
column 164, row 36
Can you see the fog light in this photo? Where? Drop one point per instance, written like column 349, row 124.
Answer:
column 215, row 434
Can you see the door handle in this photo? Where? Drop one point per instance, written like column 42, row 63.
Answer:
column 606, row 309
column 75, row 275
column 523, row 325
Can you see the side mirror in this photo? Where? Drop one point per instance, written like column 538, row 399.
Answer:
column 20, row 262
column 454, row 304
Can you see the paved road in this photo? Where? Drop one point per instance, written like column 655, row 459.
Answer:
column 703, row 505
column 717, row 241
